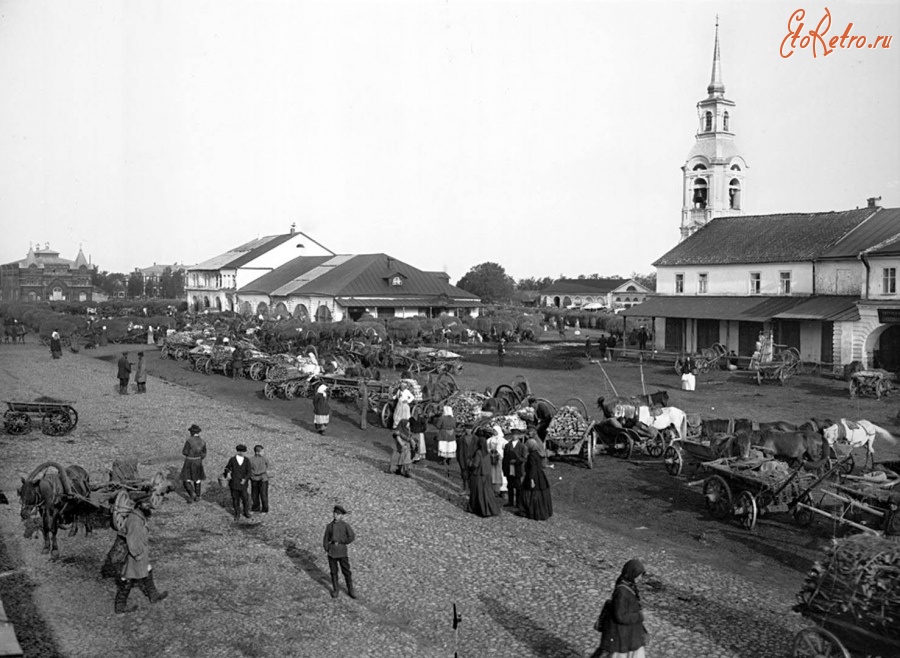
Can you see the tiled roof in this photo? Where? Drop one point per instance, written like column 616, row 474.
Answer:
column 748, row 308
column 765, row 238
column 408, row 302
column 353, row 276
column 244, row 253
column 582, row 286
column 879, row 234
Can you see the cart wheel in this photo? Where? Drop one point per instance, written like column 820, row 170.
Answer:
column 781, row 376
column 678, row 365
column 241, row 373
column 55, row 423
column 655, row 446
column 748, row 510
column 73, row 417
column 387, row 413
column 759, row 377
column 892, row 525
column 257, row 370
column 718, row 497
column 818, row 643
column 206, row 366
column 269, row 391
column 673, row 460
column 623, row 446
column 181, row 354
column 17, row 422
column 289, row 391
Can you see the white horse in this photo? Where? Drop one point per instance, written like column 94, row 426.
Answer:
column 660, row 418
column 856, row 434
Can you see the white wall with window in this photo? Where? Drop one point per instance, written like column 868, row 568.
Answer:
column 734, row 279
column 889, row 281
column 784, row 283
column 702, row 283
column 755, row 283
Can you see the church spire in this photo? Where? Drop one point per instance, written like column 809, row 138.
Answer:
column 716, row 88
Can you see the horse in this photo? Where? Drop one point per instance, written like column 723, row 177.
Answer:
column 51, row 495
column 661, row 418
column 856, row 434
column 608, row 406
column 793, row 446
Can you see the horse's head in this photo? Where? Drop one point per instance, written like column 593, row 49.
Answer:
column 660, row 398
column 29, row 498
column 600, row 403
column 830, row 433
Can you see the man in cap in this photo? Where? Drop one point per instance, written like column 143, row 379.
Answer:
column 192, row 472
column 124, row 373
column 338, row 534
column 137, row 571
column 238, row 469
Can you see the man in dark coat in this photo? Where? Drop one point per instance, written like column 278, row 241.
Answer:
column 239, row 470
column 543, row 414
column 464, row 449
column 611, row 346
column 514, row 456
column 137, row 570
column 192, row 472
column 338, row 535
column 124, row 373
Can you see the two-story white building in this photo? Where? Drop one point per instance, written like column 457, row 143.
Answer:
column 823, row 282
column 213, row 284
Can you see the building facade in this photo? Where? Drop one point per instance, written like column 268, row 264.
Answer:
column 594, row 294
column 335, row 288
column 43, row 276
column 213, row 284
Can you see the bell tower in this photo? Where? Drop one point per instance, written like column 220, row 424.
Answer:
column 713, row 174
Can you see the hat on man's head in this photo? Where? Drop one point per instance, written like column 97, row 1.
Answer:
column 241, row 448
column 339, row 509
column 194, row 429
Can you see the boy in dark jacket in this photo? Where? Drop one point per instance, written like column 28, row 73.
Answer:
column 338, row 535
column 514, row 457
column 239, row 470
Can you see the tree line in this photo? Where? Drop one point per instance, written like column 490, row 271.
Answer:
column 492, row 284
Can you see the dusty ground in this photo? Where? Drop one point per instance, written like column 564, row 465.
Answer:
column 626, row 504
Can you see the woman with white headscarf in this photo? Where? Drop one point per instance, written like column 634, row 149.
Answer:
column 446, row 427
column 405, row 398
column 496, row 444
column 321, row 409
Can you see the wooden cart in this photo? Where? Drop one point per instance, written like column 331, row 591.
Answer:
column 873, row 383
column 572, row 444
column 707, row 359
column 55, row 417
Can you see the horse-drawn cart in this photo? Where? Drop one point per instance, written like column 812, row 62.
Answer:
column 746, row 488
column 570, row 432
column 873, row 383
column 852, row 596
column 56, row 417
column 707, row 359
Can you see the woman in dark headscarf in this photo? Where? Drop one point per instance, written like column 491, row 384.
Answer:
column 535, row 486
column 624, row 635
column 482, row 500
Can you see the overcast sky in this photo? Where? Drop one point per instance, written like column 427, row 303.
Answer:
column 545, row 136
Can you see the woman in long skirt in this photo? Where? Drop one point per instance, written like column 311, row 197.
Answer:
column 55, row 345
column 417, row 426
column 482, row 500
column 496, row 444
column 401, row 409
column 321, row 409
column 623, row 632
column 446, row 427
column 535, row 487
column 402, row 456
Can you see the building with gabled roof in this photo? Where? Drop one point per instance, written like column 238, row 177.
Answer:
column 212, row 284
column 610, row 293
column 332, row 288
column 43, row 276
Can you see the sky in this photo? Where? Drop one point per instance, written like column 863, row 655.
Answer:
column 546, row 136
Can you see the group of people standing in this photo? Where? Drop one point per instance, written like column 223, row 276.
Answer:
column 125, row 369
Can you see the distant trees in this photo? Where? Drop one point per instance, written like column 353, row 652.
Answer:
column 489, row 281
column 534, row 283
column 135, row 285
column 171, row 284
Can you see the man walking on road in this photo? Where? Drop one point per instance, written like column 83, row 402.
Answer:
column 137, row 569
column 259, row 481
column 124, row 373
column 238, row 470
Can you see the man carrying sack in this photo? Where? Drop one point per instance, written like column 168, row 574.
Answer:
column 137, row 570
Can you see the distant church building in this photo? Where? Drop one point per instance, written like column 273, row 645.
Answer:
column 714, row 170
column 43, row 276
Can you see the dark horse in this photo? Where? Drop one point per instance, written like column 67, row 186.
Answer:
column 56, row 497
column 657, row 399
column 793, row 446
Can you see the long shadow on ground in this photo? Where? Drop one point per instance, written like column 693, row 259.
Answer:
column 34, row 635
column 543, row 642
